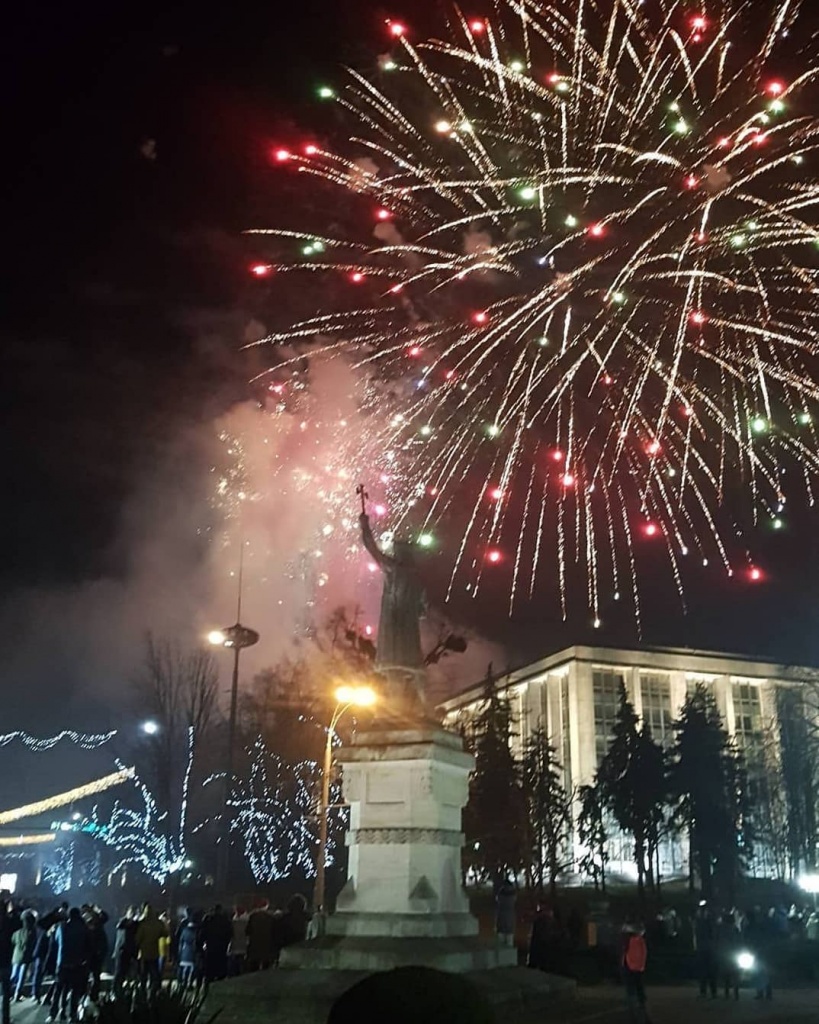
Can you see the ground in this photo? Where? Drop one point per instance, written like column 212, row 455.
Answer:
column 604, row 1005
column 679, row 1005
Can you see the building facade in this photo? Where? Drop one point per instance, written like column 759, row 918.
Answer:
column 574, row 694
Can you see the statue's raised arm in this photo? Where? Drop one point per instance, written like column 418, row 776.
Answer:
column 381, row 558
column 371, row 544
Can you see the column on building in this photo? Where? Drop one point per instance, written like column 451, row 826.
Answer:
column 556, row 716
column 581, row 722
column 725, row 701
column 679, row 691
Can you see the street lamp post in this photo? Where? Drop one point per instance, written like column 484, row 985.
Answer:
column 346, row 698
column 235, row 638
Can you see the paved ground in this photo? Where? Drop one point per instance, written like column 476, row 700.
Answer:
column 604, row 1005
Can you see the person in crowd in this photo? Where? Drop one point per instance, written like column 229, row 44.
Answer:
column 295, row 920
column 10, row 924
column 215, row 936
column 704, row 942
column 24, row 941
column 50, row 969
column 186, row 949
column 238, row 942
column 761, row 931
column 727, row 946
column 72, row 966
column 125, row 950
column 39, row 961
column 165, row 943
column 633, row 959
column 505, row 913
column 576, row 929
column 95, row 919
column 672, row 924
column 55, row 916
column 261, row 946
column 148, row 934
column 545, row 940
column 278, row 935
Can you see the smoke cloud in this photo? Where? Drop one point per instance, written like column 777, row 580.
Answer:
column 273, row 479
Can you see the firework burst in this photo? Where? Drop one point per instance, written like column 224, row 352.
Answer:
column 579, row 257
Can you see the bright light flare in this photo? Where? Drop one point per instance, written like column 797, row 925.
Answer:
column 359, row 696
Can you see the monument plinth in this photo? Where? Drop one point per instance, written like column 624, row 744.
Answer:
column 406, row 789
column 403, row 902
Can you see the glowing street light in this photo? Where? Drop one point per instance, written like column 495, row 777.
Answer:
column 346, row 697
column 235, row 638
column 150, row 727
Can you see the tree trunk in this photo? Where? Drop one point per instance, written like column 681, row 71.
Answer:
column 691, row 860
column 639, row 856
column 657, row 872
column 705, row 873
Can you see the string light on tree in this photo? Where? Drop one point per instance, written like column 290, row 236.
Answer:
column 273, row 812
column 149, row 838
column 88, row 741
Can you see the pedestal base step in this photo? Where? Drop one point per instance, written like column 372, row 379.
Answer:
column 360, row 953
column 305, row 996
column 402, row 926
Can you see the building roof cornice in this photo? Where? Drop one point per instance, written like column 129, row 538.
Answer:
column 686, row 659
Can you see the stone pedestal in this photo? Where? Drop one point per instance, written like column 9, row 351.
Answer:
column 403, row 902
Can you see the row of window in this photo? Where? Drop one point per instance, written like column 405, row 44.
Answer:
column 655, row 696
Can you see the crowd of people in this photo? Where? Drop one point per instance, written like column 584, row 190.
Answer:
column 58, row 958
column 723, row 938
column 729, row 949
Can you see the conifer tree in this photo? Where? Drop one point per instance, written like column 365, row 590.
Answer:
column 708, row 784
column 495, row 817
column 632, row 777
column 550, row 810
column 593, row 833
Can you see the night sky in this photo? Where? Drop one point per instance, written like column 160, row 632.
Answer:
column 126, row 294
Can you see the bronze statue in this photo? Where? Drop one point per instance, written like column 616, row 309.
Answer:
column 398, row 648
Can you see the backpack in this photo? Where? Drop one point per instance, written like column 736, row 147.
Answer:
column 636, row 954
